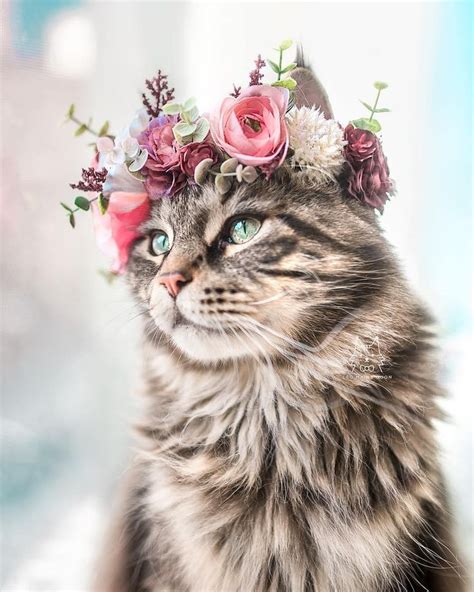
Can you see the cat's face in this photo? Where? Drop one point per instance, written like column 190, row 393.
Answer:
column 268, row 262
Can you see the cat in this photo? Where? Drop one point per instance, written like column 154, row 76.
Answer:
column 272, row 458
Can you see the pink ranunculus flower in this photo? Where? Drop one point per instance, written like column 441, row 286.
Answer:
column 118, row 227
column 252, row 126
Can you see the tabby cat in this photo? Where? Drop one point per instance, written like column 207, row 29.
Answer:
column 287, row 443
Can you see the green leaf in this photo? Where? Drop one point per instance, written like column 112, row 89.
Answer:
column 72, row 220
column 103, row 203
column 172, row 109
column 189, row 104
column 109, row 276
column 367, row 106
column 70, row 111
column 82, row 203
column 367, row 124
column 289, row 68
column 274, row 67
column 202, row 129
column 65, row 206
column 80, row 130
column 288, row 83
column 382, row 110
column 380, row 85
column 192, row 114
column 286, row 44
column 104, row 129
column 185, row 129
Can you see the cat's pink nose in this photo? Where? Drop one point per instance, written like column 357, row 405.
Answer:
column 173, row 281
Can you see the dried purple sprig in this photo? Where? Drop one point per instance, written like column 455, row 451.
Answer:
column 236, row 92
column 92, row 180
column 160, row 92
column 256, row 74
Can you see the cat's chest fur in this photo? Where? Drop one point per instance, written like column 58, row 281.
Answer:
column 247, row 490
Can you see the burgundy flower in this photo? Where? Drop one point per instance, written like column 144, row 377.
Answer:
column 165, row 183
column 192, row 154
column 369, row 180
column 361, row 144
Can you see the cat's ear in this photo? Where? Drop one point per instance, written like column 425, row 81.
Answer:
column 310, row 92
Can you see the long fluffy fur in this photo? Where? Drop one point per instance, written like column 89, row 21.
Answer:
column 271, row 460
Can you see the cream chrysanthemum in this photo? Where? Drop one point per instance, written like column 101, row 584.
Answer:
column 317, row 142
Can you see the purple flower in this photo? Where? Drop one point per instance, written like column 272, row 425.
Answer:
column 162, row 170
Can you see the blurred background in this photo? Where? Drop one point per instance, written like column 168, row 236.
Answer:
column 70, row 342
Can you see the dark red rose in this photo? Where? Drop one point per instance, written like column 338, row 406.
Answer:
column 361, row 144
column 192, row 154
column 165, row 183
column 369, row 180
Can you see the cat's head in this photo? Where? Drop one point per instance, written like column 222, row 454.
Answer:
column 243, row 274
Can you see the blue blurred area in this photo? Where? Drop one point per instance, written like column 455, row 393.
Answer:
column 446, row 240
column 30, row 19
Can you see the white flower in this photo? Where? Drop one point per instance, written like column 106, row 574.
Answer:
column 119, row 178
column 125, row 147
column 317, row 142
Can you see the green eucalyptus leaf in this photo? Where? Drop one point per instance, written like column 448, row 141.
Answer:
column 367, row 106
column 367, row 124
column 274, row 67
column 191, row 114
column 202, row 129
column 189, row 104
column 104, row 129
column 109, row 276
column 286, row 44
column 80, row 130
column 172, row 109
column 380, row 85
column 288, row 83
column 65, row 206
column 70, row 111
column 382, row 110
column 72, row 220
column 82, row 203
column 289, row 68
column 185, row 129
column 103, row 203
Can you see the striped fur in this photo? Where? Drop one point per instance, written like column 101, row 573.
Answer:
column 287, row 439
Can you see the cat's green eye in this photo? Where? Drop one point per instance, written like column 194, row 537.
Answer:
column 160, row 243
column 243, row 229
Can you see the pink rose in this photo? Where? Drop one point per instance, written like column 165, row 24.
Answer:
column 192, row 154
column 252, row 126
column 117, row 228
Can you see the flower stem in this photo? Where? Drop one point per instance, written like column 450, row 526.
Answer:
column 81, row 210
column 80, row 123
column 279, row 64
column 375, row 104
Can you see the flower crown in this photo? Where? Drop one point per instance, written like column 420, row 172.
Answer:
column 253, row 132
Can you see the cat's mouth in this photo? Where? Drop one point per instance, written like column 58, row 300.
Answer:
column 182, row 322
